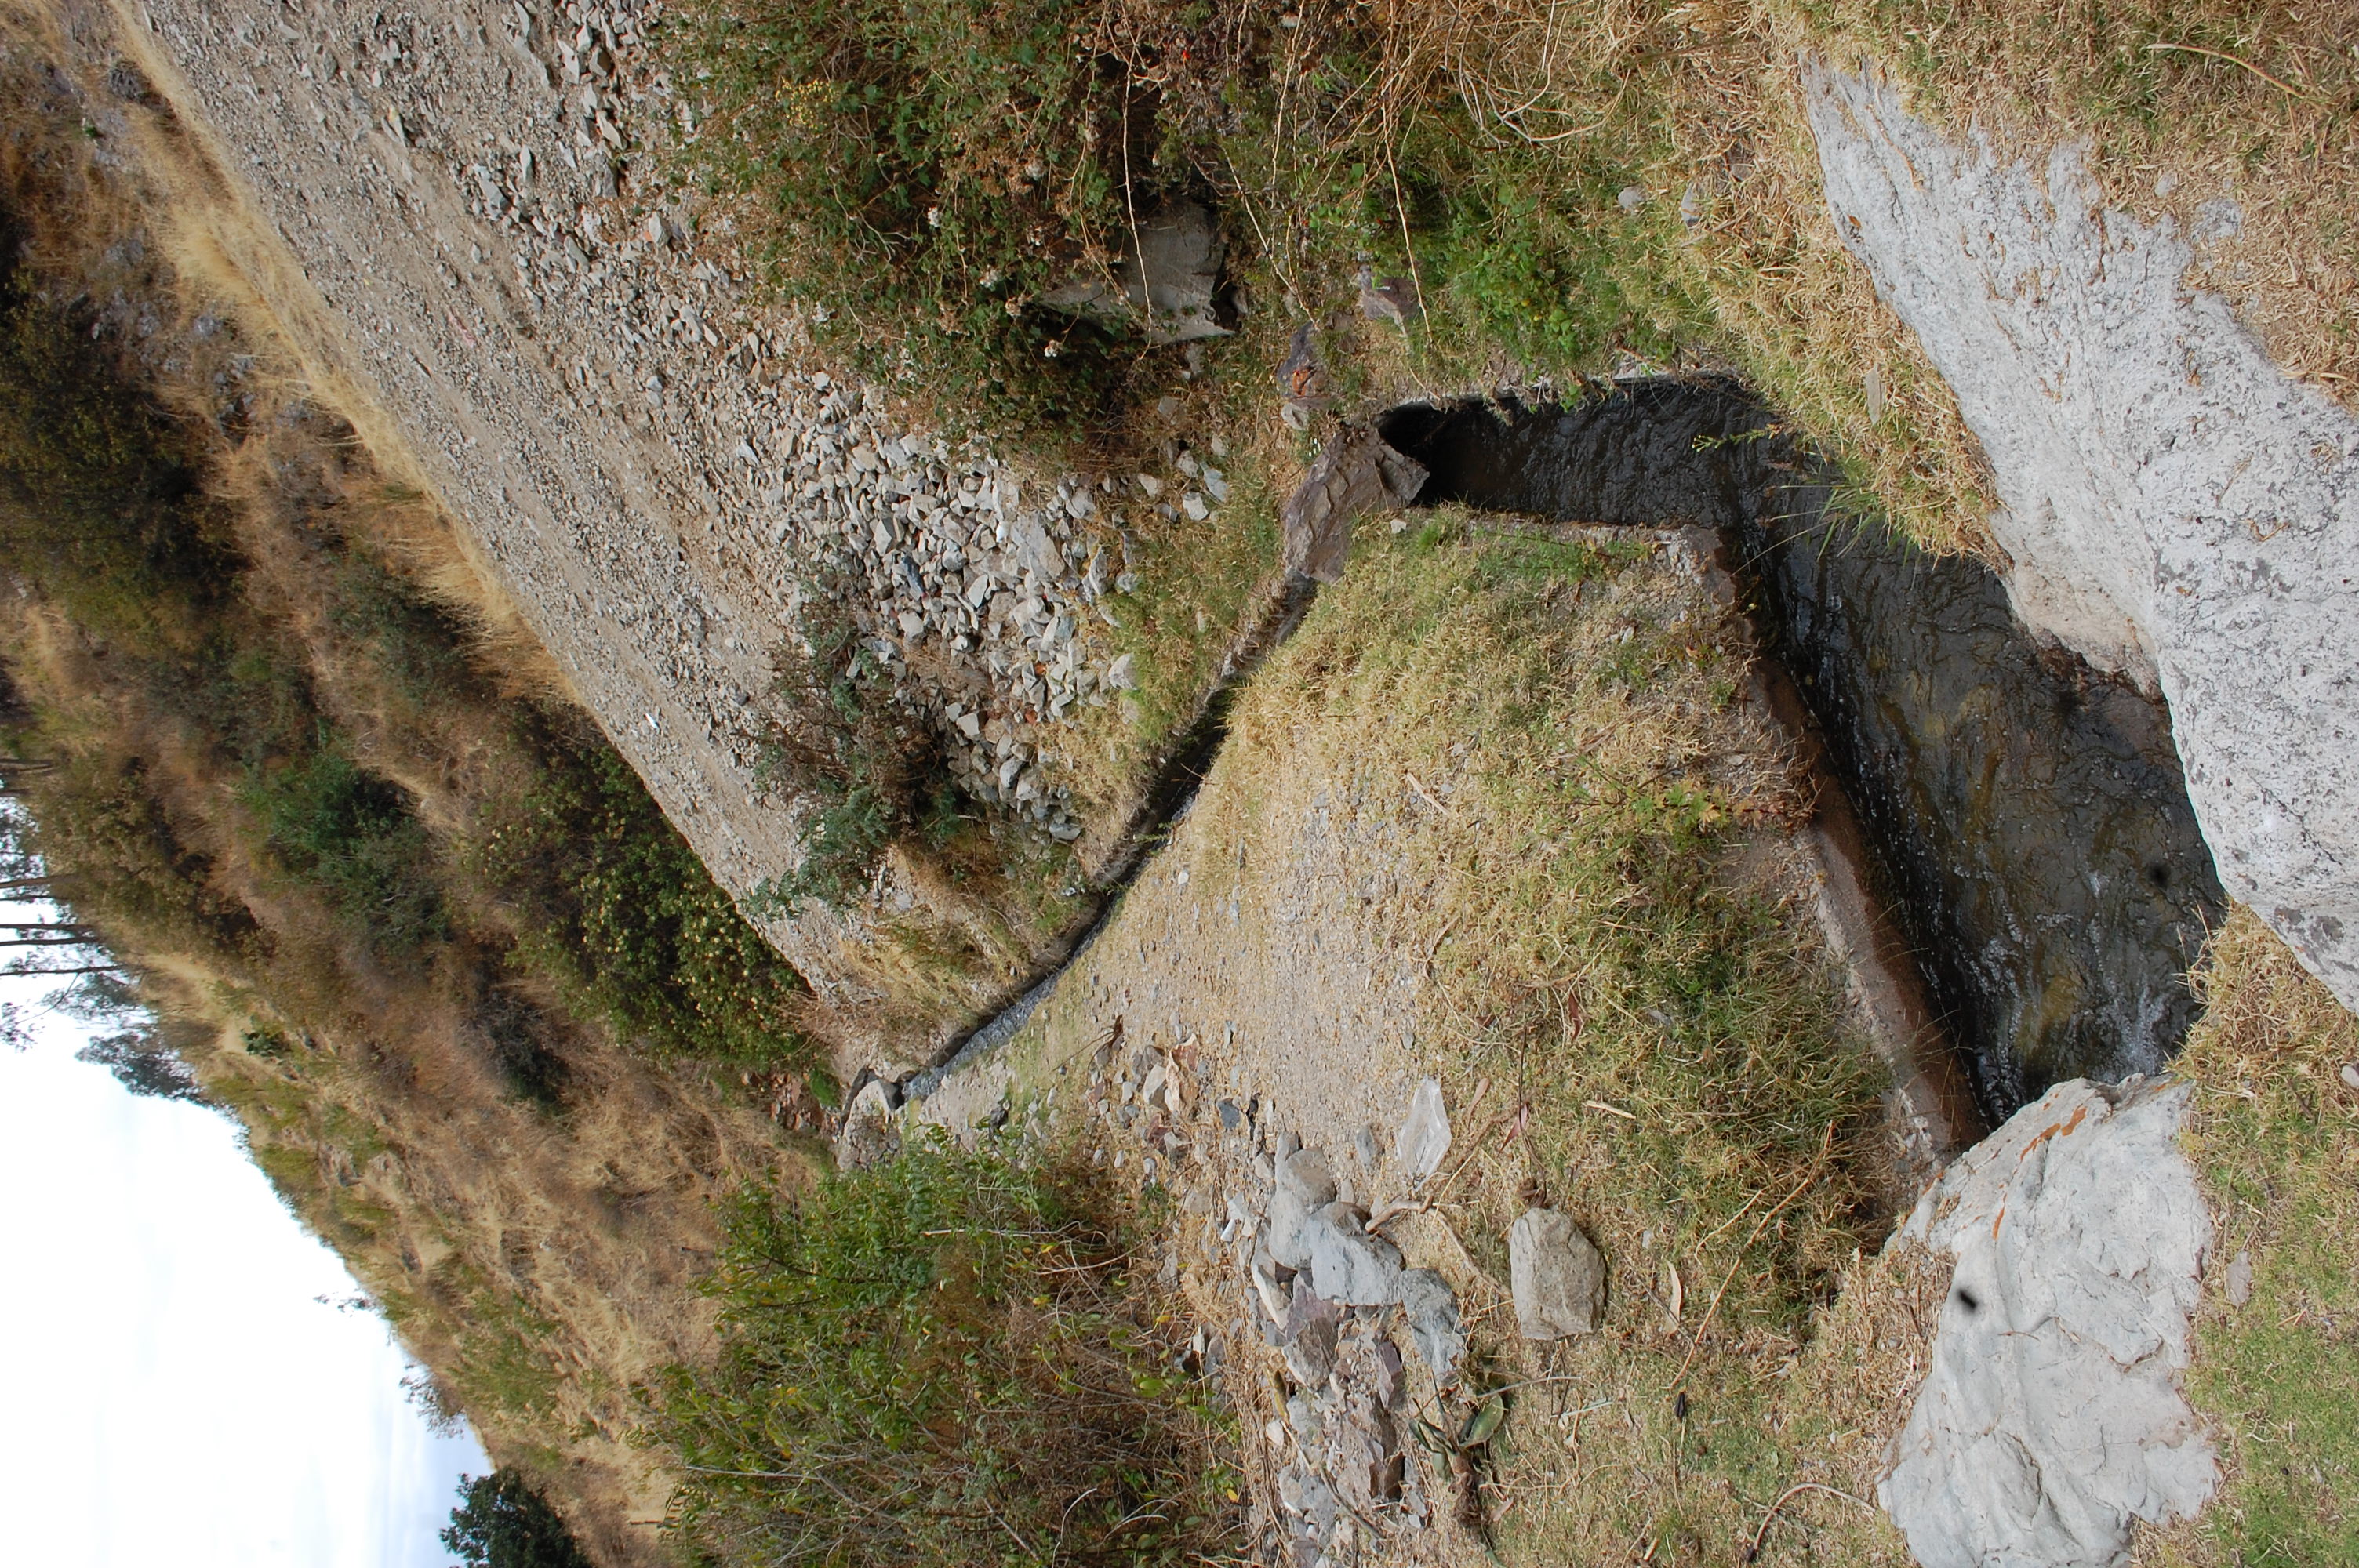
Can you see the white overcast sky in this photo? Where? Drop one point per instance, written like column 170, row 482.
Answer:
column 177, row 1389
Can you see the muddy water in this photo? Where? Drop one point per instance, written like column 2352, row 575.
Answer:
column 2027, row 816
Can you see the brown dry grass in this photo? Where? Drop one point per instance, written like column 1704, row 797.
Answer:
column 540, row 1262
column 226, row 262
column 1454, row 791
column 2250, row 100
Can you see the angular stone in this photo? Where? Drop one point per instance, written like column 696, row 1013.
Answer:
column 2052, row 1418
column 1433, row 1323
column 1345, row 1263
column 1358, row 472
column 1167, row 285
column 1305, row 1185
column 1558, row 1276
column 1388, row 1385
column 1307, row 1335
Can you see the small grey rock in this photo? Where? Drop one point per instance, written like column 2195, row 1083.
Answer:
column 1305, row 1185
column 1308, row 1335
column 1558, row 1275
column 1433, row 1324
column 1389, row 1386
column 1345, row 1263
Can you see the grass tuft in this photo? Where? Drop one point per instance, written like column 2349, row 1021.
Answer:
column 946, row 1359
column 2272, row 1133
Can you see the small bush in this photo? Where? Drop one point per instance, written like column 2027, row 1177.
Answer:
column 930, row 169
column 502, row 1523
column 871, row 774
column 616, row 906
column 942, row 1361
column 100, row 505
column 354, row 838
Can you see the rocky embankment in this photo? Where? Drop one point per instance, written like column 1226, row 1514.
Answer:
column 458, row 218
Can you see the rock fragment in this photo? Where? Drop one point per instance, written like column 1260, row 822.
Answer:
column 1164, row 284
column 1345, row 1263
column 1305, row 1187
column 2051, row 1419
column 1433, row 1324
column 1558, row 1276
column 1423, row 1140
column 1308, row 1334
column 1358, row 472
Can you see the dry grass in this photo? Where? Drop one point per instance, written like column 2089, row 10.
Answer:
column 2273, row 1134
column 1462, row 778
column 543, row 1268
column 2251, row 100
column 536, row 1243
column 1733, row 258
column 1581, row 761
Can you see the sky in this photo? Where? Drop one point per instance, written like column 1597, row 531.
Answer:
column 187, row 1378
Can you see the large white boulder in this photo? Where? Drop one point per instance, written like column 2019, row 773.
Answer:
column 2052, row 1417
column 2177, row 507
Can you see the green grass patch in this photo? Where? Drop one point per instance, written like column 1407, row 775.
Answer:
column 1587, row 832
column 2272, row 1132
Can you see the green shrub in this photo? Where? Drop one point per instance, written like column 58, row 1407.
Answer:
column 502, row 1523
column 870, row 773
column 941, row 1360
column 928, row 165
column 100, row 506
column 355, row 839
column 618, row 907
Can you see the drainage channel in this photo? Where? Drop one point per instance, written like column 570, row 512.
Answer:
column 2014, row 876
column 2023, row 819
column 1159, row 807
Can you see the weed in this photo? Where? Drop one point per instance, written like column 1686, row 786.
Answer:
column 929, row 169
column 872, row 775
column 617, row 908
column 934, row 1361
column 356, row 838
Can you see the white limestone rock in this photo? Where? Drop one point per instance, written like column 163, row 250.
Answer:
column 2177, row 507
column 2052, row 1417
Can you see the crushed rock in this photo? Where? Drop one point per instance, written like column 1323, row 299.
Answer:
column 657, row 468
